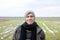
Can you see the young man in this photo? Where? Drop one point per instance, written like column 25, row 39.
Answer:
column 29, row 30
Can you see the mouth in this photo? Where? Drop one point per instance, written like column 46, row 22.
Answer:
column 30, row 20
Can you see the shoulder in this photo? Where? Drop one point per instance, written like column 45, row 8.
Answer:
column 41, row 33
column 18, row 28
column 39, row 30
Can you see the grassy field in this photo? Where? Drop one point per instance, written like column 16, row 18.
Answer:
column 51, row 27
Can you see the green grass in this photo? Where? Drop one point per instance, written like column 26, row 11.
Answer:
column 51, row 27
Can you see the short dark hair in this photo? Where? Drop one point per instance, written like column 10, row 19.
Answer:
column 30, row 12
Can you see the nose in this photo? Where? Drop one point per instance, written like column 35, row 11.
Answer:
column 29, row 17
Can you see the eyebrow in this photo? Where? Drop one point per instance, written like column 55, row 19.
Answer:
column 30, row 16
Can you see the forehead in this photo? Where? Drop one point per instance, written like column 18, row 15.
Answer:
column 29, row 15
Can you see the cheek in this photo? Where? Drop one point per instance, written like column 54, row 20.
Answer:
column 26, row 19
column 31, row 19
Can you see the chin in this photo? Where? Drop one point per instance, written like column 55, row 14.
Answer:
column 30, row 23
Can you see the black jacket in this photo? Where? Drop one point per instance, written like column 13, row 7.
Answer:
column 40, row 34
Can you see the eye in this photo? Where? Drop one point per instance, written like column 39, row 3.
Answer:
column 27, row 16
column 31, row 16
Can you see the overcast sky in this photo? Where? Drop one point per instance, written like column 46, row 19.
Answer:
column 41, row 8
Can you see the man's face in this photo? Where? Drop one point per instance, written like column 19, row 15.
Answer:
column 29, row 18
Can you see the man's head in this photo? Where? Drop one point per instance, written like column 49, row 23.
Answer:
column 30, row 17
